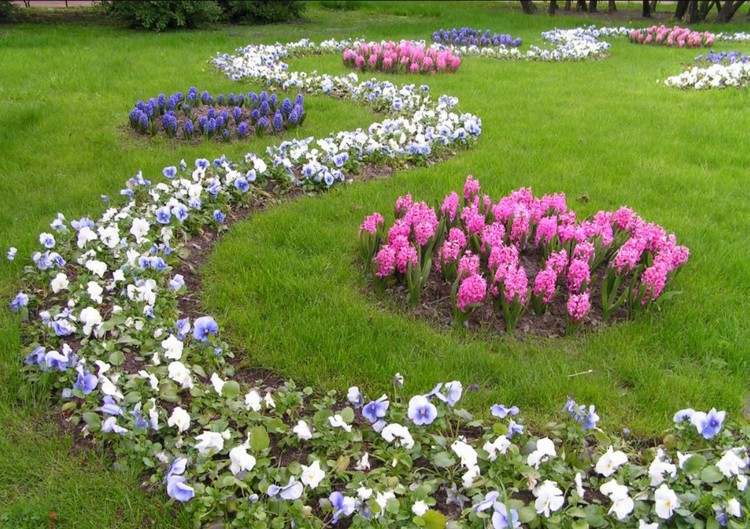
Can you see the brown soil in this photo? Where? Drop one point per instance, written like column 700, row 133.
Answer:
column 436, row 307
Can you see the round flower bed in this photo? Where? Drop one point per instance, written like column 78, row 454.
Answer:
column 474, row 37
column 502, row 260
column 675, row 36
column 403, row 57
column 225, row 117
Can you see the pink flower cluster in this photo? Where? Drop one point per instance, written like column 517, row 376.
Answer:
column 405, row 56
column 487, row 249
column 676, row 36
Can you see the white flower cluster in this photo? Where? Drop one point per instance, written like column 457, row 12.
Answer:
column 740, row 36
column 714, row 76
column 417, row 125
column 568, row 45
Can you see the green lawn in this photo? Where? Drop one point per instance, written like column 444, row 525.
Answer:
column 283, row 284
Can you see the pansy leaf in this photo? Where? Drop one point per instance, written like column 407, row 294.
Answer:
column 443, row 459
column 526, row 514
column 230, row 389
column 259, row 439
column 694, row 464
column 434, row 519
column 347, row 414
column 116, row 358
column 92, row 420
column 711, row 474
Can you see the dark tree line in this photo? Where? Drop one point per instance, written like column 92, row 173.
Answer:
column 688, row 11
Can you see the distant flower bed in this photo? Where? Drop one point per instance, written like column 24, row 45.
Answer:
column 474, row 37
column 723, row 57
column 676, row 36
column 224, row 117
column 404, row 57
column 522, row 254
column 719, row 75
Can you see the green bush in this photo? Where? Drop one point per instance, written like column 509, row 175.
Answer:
column 6, row 10
column 261, row 11
column 159, row 15
column 340, row 5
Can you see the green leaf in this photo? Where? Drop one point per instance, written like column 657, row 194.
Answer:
column 116, row 358
column 347, row 414
column 579, row 524
column 711, row 474
column 92, row 420
column 434, row 520
column 694, row 464
column 259, row 439
column 230, row 389
column 443, row 459
column 526, row 514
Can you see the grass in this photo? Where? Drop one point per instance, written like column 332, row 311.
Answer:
column 603, row 130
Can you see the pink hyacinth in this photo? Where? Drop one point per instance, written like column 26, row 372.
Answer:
column 521, row 223
column 471, row 188
column 623, row 217
column 449, row 208
column 628, row 255
column 516, row 284
column 449, row 252
column 578, row 306
column 492, row 235
column 406, row 255
column 473, row 220
column 584, row 251
column 654, row 279
column 579, row 275
column 546, row 230
column 399, row 230
column 372, row 223
column 468, row 265
column 385, row 260
column 458, row 237
column 471, row 292
column 557, row 261
column 403, row 204
column 502, row 256
column 545, row 284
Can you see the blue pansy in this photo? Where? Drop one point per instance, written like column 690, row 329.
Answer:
column 204, row 327
column 376, row 409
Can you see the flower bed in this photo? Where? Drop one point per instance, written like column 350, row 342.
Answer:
column 474, row 37
column 722, row 57
column 486, row 259
column 675, row 36
column 405, row 56
column 190, row 115
column 735, row 75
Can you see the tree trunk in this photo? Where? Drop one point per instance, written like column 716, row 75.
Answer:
column 592, row 6
column 552, row 7
column 653, row 5
column 646, row 13
column 581, row 6
column 567, row 5
column 681, row 8
column 528, row 6
column 692, row 12
column 612, row 6
column 728, row 10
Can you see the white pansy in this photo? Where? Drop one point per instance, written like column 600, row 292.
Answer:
column 545, row 449
column 312, row 475
column 179, row 419
column 302, row 430
column 398, row 434
column 139, row 229
column 665, row 502
column 59, row 282
column 172, row 347
column 217, row 383
column 209, row 442
column 610, row 461
column 178, row 372
column 549, row 498
column 240, row 460
column 337, row 421
column 498, row 446
column 660, row 467
column 253, row 400
column 97, row 267
column 94, row 290
column 733, row 462
column 363, row 463
column 91, row 320
column 622, row 503
column 419, row 508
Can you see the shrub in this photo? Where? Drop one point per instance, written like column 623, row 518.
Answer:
column 261, row 11
column 6, row 10
column 340, row 5
column 164, row 14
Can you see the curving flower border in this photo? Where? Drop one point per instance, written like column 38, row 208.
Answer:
column 106, row 330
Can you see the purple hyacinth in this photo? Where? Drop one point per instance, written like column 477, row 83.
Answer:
column 278, row 122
